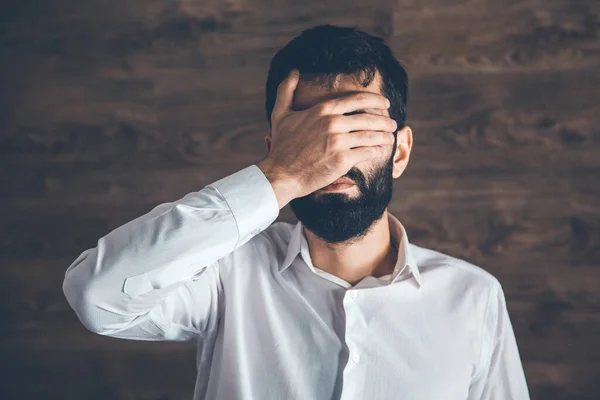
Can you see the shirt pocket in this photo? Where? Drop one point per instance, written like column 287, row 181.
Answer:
column 160, row 279
column 138, row 284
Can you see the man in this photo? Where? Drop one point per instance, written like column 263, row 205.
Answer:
column 338, row 306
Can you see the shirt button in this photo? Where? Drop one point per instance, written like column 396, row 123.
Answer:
column 355, row 357
column 353, row 294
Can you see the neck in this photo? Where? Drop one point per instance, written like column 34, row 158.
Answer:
column 372, row 255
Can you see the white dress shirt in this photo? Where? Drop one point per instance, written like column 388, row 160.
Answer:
column 214, row 267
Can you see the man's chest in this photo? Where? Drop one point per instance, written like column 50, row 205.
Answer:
column 347, row 344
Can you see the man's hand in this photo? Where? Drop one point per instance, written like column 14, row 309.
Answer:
column 312, row 148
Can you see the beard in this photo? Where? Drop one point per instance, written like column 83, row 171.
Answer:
column 335, row 217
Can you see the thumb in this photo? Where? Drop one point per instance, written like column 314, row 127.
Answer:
column 285, row 93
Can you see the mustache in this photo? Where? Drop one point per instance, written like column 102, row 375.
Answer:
column 356, row 176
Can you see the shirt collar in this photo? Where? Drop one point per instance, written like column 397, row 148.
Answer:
column 406, row 259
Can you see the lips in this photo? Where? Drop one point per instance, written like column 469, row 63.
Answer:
column 343, row 181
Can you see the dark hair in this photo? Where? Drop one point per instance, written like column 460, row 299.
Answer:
column 325, row 51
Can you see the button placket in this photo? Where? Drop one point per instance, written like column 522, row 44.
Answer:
column 354, row 356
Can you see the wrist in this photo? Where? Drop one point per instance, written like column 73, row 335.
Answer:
column 282, row 185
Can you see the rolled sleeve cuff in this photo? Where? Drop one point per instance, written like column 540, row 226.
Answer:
column 252, row 201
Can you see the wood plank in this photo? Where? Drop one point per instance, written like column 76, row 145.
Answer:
column 502, row 173
column 452, row 110
column 484, row 223
column 541, row 33
column 562, row 381
column 102, row 374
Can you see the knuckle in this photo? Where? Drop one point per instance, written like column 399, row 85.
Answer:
column 361, row 97
column 341, row 158
column 375, row 136
column 322, row 108
column 330, row 123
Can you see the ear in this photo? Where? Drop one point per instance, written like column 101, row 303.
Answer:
column 403, row 146
column 268, row 143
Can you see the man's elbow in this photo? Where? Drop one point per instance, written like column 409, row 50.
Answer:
column 83, row 296
column 81, row 300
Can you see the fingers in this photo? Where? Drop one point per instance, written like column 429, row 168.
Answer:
column 356, row 101
column 350, row 140
column 362, row 122
column 360, row 154
column 285, row 93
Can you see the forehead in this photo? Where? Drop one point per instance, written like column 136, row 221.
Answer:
column 308, row 94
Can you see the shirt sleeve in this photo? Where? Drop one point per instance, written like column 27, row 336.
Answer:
column 157, row 277
column 501, row 375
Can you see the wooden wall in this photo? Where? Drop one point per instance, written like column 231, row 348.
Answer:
column 109, row 108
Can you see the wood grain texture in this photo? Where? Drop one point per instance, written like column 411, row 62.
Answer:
column 110, row 108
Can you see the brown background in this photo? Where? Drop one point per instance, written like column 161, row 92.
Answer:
column 109, row 108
